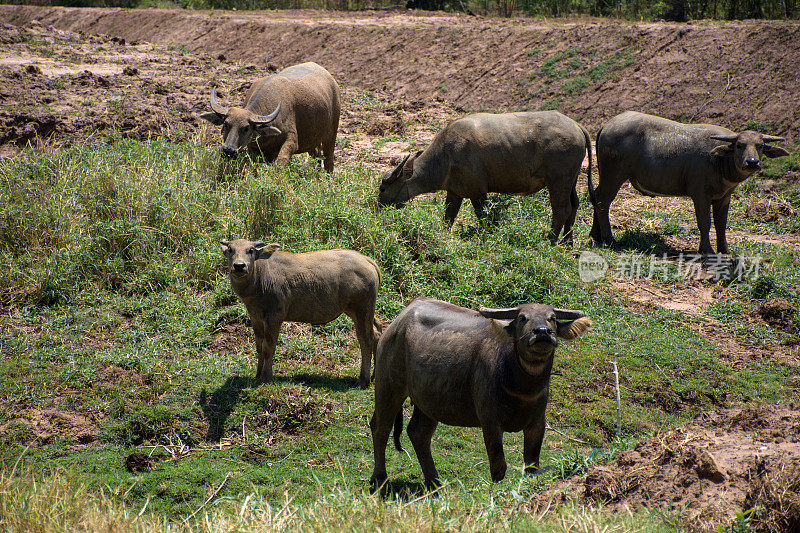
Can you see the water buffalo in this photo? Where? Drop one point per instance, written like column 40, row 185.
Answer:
column 665, row 158
column 487, row 369
column 513, row 153
column 313, row 287
column 291, row 112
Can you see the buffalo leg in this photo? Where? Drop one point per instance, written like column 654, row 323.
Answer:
column 288, row 149
column 703, row 213
column 420, row 431
column 610, row 180
column 452, row 204
column 479, row 204
column 388, row 403
column 574, row 203
column 532, row 445
column 561, row 204
column 720, row 208
column 364, row 321
column 266, row 339
column 327, row 151
column 493, row 438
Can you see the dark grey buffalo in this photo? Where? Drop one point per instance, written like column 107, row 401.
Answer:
column 291, row 112
column 512, row 153
column 487, row 369
column 313, row 287
column 665, row 158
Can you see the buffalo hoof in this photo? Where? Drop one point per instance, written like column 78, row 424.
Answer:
column 432, row 483
column 498, row 473
column 376, row 483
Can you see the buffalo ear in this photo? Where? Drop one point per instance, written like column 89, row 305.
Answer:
column 574, row 328
column 722, row 149
column 214, row 118
column 224, row 246
column 774, row 151
column 267, row 250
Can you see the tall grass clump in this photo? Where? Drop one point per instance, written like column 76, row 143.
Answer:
column 60, row 503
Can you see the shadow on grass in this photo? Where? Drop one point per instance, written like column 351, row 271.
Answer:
column 220, row 404
column 317, row 381
column 648, row 242
column 403, row 490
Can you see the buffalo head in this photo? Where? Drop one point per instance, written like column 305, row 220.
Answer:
column 536, row 329
column 241, row 254
column 394, row 186
column 746, row 148
column 239, row 126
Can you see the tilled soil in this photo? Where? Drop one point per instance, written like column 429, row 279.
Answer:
column 156, row 67
column 720, row 463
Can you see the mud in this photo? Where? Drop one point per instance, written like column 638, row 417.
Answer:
column 722, row 462
column 67, row 72
column 49, row 425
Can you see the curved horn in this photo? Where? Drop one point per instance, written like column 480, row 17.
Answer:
column 726, row 138
column 224, row 242
column 397, row 171
column 215, row 107
column 568, row 314
column 772, row 139
column 266, row 119
column 506, row 313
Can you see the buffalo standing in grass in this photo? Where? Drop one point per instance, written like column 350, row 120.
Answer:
column 488, row 369
column 512, row 153
column 313, row 287
column 665, row 158
column 291, row 112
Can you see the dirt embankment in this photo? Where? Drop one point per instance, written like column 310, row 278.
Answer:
column 721, row 463
column 725, row 73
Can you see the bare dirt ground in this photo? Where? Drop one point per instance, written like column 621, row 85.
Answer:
column 721, row 462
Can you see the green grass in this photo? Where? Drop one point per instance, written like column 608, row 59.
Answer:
column 116, row 307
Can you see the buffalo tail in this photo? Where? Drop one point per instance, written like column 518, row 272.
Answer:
column 589, row 168
column 398, row 429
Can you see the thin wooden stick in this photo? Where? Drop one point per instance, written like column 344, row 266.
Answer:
column 213, row 495
column 619, row 407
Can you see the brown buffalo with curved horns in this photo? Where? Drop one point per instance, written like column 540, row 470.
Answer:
column 489, row 369
column 291, row 112
column 661, row 157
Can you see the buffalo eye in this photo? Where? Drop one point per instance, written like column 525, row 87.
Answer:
column 740, row 145
column 551, row 318
column 251, row 250
column 522, row 319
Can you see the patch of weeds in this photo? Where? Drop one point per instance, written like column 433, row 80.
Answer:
column 389, row 138
column 609, row 68
column 550, row 104
column 575, row 85
column 757, row 125
column 532, row 52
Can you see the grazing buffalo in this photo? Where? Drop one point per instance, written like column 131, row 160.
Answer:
column 291, row 112
column 313, row 287
column 665, row 158
column 512, row 153
column 488, row 369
